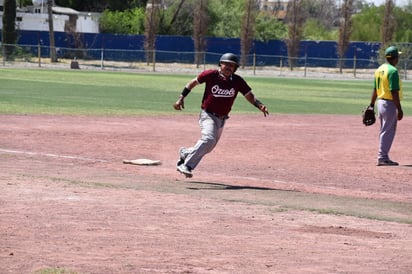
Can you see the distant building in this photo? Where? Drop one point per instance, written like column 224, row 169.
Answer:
column 35, row 18
column 276, row 8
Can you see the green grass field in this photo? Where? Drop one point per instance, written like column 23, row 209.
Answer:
column 40, row 91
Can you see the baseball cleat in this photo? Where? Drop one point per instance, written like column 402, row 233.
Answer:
column 181, row 157
column 179, row 162
column 185, row 171
column 387, row 163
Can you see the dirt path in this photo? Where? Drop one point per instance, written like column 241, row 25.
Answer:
column 283, row 194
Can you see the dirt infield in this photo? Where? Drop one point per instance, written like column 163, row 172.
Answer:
column 282, row 194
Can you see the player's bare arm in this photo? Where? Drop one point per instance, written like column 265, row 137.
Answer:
column 397, row 102
column 374, row 96
column 180, row 103
column 255, row 101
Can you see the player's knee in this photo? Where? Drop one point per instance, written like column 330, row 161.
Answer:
column 209, row 141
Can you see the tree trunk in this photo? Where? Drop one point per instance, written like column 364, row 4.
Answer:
column 151, row 25
column 53, row 55
column 199, row 30
column 388, row 25
column 248, row 30
column 295, row 18
column 9, row 34
column 345, row 30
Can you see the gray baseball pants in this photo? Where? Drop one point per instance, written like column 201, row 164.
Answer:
column 388, row 116
column 211, row 130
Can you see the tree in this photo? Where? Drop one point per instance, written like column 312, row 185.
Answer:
column 248, row 29
column 102, row 5
column 177, row 18
column 315, row 30
column 151, row 26
column 295, row 19
column 366, row 24
column 53, row 54
column 23, row 3
column 126, row 22
column 124, row 5
column 324, row 11
column 403, row 17
column 345, row 30
column 322, row 20
column 269, row 28
column 388, row 24
column 224, row 18
column 200, row 23
column 9, row 34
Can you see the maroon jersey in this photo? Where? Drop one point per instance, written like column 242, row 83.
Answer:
column 220, row 92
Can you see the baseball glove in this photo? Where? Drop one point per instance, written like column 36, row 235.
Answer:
column 368, row 116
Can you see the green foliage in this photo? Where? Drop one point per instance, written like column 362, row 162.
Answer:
column 178, row 19
column 225, row 18
column 116, row 5
column 408, row 7
column 125, row 22
column 367, row 24
column 24, row 3
column 101, row 5
column 314, row 30
column 269, row 28
column 403, row 31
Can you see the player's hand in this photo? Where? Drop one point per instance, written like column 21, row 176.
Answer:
column 264, row 109
column 180, row 104
column 400, row 115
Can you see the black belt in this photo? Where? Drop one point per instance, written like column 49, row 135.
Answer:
column 221, row 117
column 385, row 99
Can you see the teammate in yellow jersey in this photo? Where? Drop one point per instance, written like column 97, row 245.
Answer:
column 388, row 89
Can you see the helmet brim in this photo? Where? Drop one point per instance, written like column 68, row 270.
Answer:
column 229, row 61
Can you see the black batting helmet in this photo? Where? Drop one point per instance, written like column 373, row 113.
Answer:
column 229, row 58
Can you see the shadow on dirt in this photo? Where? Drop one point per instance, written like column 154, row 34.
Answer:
column 219, row 186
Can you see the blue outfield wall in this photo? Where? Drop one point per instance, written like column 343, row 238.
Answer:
column 273, row 52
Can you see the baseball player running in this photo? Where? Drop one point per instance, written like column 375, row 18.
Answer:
column 221, row 88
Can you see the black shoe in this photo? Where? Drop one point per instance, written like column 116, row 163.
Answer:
column 179, row 162
column 387, row 163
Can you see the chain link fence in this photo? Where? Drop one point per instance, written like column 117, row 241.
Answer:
column 29, row 56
